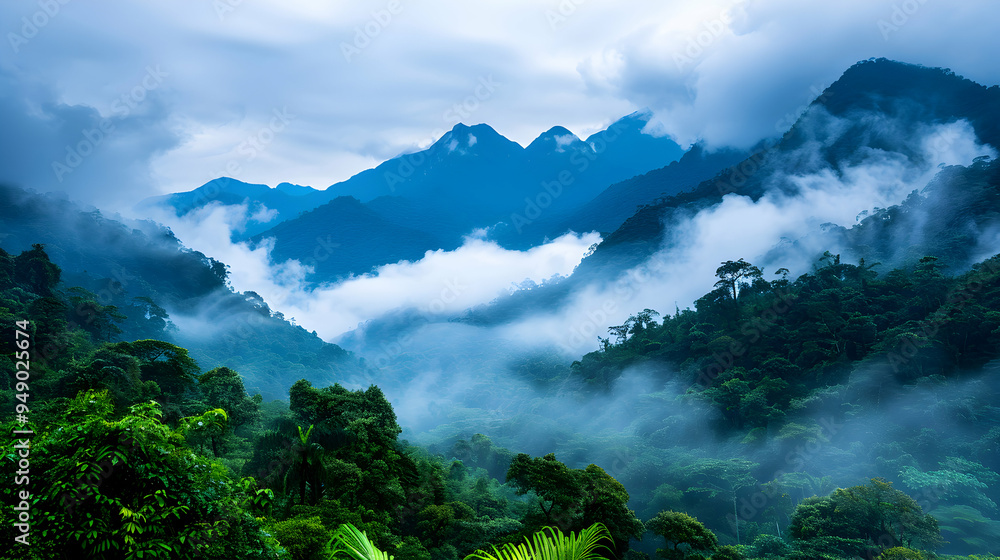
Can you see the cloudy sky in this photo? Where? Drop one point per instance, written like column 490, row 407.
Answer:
column 115, row 101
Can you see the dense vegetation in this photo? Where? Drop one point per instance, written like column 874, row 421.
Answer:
column 849, row 412
column 140, row 270
column 137, row 450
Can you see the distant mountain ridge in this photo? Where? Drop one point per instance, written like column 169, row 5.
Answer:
column 471, row 178
column 474, row 168
column 911, row 96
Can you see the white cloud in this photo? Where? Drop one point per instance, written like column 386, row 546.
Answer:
column 564, row 140
column 263, row 215
column 441, row 283
column 751, row 63
column 741, row 228
column 731, row 71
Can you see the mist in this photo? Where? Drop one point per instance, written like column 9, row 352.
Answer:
column 442, row 283
column 449, row 375
column 406, row 318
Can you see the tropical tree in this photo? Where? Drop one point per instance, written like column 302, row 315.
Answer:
column 307, row 468
column 101, row 321
column 124, row 486
column 865, row 518
column 211, row 424
column 735, row 276
column 359, row 428
column 683, row 534
column 223, row 388
column 574, row 498
column 725, row 477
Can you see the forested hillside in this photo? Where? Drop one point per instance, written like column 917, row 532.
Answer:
column 137, row 448
column 830, row 394
column 134, row 279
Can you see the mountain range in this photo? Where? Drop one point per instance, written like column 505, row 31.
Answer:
column 471, row 178
column 796, row 387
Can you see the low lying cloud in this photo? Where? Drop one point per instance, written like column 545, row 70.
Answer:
column 780, row 230
column 442, row 283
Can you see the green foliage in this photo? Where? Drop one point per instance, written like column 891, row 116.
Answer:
column 303, row 538
column 768, row 358
column 552, row 543
column 210, row 425
column 737, row 277
column 900, row 553
column 479, row 451
column 728, row 552
column 34, row 272
column 864, row 518
column 127, row 486
column 349, row 542
column 684, row 535
column 223, row 388
column 356, row 428
column 574, row 498
column 754, row 361
column 769, row 546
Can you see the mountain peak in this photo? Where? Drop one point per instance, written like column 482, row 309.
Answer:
column 882, row 78
column 481, row 128
column 228, row 184
column 465, row 137
column 294, row 190
column 555, row 139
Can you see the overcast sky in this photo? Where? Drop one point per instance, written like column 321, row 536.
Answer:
column 115, row 101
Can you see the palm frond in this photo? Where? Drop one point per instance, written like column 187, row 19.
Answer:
column 355, row 544
column 552, row 544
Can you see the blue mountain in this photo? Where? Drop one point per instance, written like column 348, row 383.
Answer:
column 472, row 177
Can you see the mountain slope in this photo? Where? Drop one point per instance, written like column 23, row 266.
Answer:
column 120, row 261
column 265, row 206
column 608, row 210
column 876, row 107
column 344, row 236
column 472, row 177
column 863, row 117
